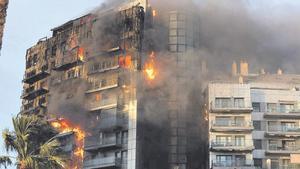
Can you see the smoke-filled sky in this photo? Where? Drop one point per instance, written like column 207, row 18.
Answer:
column 266, row 32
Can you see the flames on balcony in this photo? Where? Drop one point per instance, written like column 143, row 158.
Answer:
column 65, row 126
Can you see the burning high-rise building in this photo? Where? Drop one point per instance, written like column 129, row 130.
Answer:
column 119, row 78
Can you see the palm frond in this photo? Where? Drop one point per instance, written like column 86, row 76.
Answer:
column 5, row 161
column 9, row 140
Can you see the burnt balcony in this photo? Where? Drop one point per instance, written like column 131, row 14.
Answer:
column 231, row 126
column 102, row 162
column 36, row 110
column 111, row 123
column 283, row 131
column 32, row 92
column 230, row 108
column 93, row 88
column 103, row 104
column 67, row 62
column 232, row 146
column 275, row 149
column 33, row 77
column 236, row 164
column 94, row 143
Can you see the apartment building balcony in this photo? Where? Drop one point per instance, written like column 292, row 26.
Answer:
column 276, row 150
column 93, row 89
column 233, row 146
column 231, row 126
column 103, row 104
column 283, row 114
column 243, row 164
column 230, row 108
column 112, row 123
column 32, row 92
column 102, row 70
column 102, row 163
column 282, row 131
column 33, row 77
column 94, row 143
column 67, row 62
column 29, row 109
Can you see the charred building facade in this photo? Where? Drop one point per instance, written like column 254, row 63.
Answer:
column 97, row 72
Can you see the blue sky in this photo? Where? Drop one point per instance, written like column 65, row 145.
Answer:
column 27, row 22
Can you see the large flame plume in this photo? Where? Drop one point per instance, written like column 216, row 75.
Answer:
column 150, row 67
column 65, row 126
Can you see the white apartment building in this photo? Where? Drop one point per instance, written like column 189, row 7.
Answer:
column 230, row 126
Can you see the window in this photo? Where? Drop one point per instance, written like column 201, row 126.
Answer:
column 258, row 162
column 285, row 108
column 287, row 126
column 240, row 160
column 240, row 140
column 239, row 121
column 224, row 160
column 223, row 140
column 53, row 52
column 257, row 125
column 125, row 137
column 124, row 157
column 239, row 102
column 222, row 102
column 258, row 144
column 271, row 107
column 222, row 121
column 256, row 107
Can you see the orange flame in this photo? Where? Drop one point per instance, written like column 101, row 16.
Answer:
column 81, row 53
column 149, row 68
column 64, row 126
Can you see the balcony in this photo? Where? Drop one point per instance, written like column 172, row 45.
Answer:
column 101, row 88
column 241, row 164
column 231, row 126
column 233, row 146
column 275, row 149
column 67, row 62
column 32, row 93
column 230, row 108
column 112, row 123
column 283, row 114
column 94, row 143
column 103, row 104
column 36, row 110
column 31, row 78
column 102, row 162
column 282, row 131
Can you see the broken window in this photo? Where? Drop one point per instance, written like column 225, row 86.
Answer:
column 53, row 52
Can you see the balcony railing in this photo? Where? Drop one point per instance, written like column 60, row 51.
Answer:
column 231, row 107
column 237, row 145
column 103, row 104
column 283, row 113
column 275, row 147
column 281, row 128
column 95, row 143
column 93, row 88
column 112, row 122
column 31, row 93
column 102, row 162
column 233, row 163
column 231, row 126
column 36, row 76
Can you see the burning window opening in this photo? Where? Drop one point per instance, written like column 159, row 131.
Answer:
column 81, row 53
column 65, row 126
column 150, row 68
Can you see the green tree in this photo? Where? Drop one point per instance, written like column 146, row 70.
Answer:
column 33, row 141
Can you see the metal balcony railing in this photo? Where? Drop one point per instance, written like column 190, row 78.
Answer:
column 95, row 142
column 34, row 76
column 275, row 147
column 281, row 128
column 33, row 92
column 102, row 162
column 235, row 144
column 103, row 104
column 233, row 163
column 231, row 124
column 230, row 107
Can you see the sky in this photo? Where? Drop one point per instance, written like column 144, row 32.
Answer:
column 30, row 20
column 27, row 22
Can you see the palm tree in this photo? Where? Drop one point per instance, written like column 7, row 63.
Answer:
column 33, row 141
